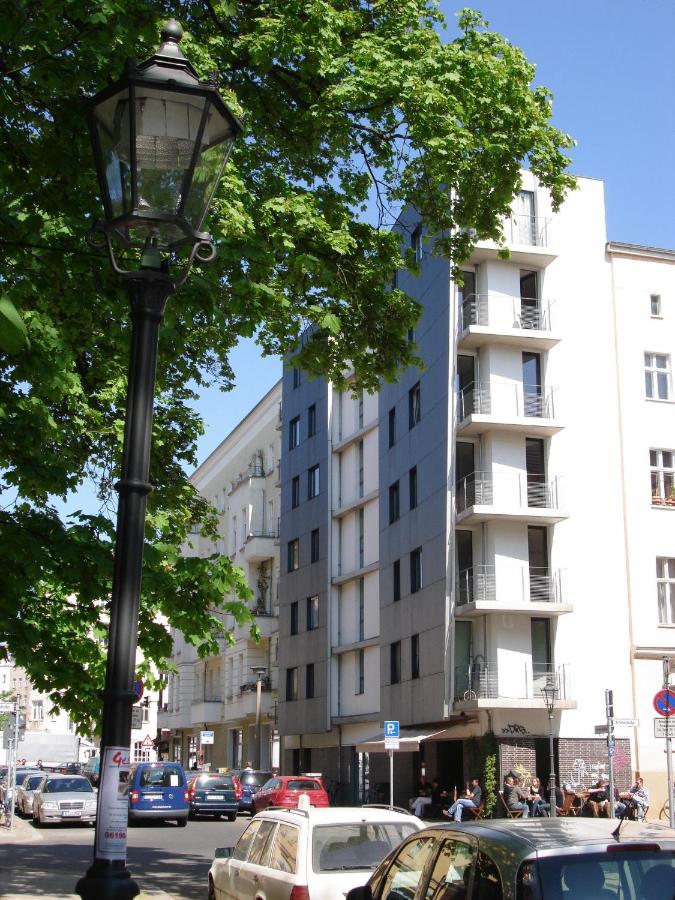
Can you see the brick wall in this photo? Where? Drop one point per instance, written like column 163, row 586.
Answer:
column 581, row 758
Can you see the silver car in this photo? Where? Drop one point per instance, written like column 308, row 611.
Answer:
column 64, row 798
column 24, row 793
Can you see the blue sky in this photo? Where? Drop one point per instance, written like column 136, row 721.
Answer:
column 611, row 68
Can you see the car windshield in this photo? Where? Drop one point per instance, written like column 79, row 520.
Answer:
column 302, row 784
column 643, row 874
column 164, row 776
column 32, row 782
column 214, row 782
column 254, row 778
column 67, row 785
column 355, row 845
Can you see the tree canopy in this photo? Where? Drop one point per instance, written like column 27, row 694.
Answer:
column 350, row 106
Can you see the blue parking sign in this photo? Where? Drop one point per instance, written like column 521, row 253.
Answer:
column 391, row 729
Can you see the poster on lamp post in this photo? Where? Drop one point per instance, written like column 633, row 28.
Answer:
column 113, row 804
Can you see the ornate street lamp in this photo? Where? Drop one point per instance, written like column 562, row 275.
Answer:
column 260, row 672
column 549, row 693
column 161, row 139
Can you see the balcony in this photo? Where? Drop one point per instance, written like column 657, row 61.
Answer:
column 527, row 238
column 267, row 622
column 242, row 705
column 206, row 711
column 508, row 496
column 260, row 545
column 513, row 321
column 518, row 589
column 507, row 407
column 482, row 685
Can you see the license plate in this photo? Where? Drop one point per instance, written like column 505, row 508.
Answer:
column 152, row 797
column 73, row 813
column 214, row 796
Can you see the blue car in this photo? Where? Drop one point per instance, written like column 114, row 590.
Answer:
column 251, row 781
column 158, row 791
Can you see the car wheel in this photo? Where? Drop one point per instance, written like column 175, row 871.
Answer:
column 212, row 890
column 231, row 817
column 182, row 822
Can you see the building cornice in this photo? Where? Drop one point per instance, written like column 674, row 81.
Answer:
column 617, row 248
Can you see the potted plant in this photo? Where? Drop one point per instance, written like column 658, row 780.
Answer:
column 670, row 499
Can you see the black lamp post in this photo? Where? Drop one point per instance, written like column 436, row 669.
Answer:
column 161, row 139
column 548, row 693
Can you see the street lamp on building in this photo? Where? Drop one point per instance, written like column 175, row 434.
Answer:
column 161, row 138
column 549, row 693
column 261, row 672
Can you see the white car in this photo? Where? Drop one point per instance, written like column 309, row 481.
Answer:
column 24, row 793
column 295, row 854
column 64, row 798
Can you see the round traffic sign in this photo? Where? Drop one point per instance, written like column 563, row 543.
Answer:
column 138, row 687
column 664, row 702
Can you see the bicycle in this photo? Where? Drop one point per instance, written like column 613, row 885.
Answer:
column 664, row 813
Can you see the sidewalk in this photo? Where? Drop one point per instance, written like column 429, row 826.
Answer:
column 23, row 833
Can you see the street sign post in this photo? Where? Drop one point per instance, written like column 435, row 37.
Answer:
column 625, row 723
column 206, row 737
column 600, row 729
column 664, row 728
column 392, row 733
column 6, row 706
column 664, row 702
column 138, row 687
column 136, row 717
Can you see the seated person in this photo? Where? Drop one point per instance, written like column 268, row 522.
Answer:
column 515, row 797
column 634, row 802
column 472, row 798
column 423, row 799
column 538, row 805
column 597, row 804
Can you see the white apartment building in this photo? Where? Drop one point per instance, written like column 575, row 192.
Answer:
column 506, row 557
column 219, row 694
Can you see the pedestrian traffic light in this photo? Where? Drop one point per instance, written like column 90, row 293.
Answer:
column 609, row 704
column 22, row 726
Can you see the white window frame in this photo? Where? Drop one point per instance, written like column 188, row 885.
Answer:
column 653, row 373
column 655, row 306
column 662, row 474
column 665, row 589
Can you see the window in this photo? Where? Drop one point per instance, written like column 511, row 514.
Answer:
column 411, row 336
column 294, row 433
column 314, row 546
column 141, row 753
column 394, row 502
column 291, row 684
column 415, row 656
column 313, row 482
column 309, row 681
column 395, row 662
column 452, row 870
column 397, row 580
column 295, row 491
column 662, row 469
column 407, row 868
column 245, row 841
column 665, row 585
column 360, row 671
column 392, row 426
column 416, row 243
column 360, row 455
column 360, row 410
column 296, row 378
column 412, row 485
column 37, row 711
column 285, row 849
column 312, row 613
column 311, row 421
column 415, row 570
column 362, row 538
column 261, row 843
column 294, row 617
column 655, row 304
column 657, row 376
column 362, row 609
column 414, row 406
column 293, row 554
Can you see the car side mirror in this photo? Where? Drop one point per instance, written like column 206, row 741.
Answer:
column 360, row 893
column 224, row 852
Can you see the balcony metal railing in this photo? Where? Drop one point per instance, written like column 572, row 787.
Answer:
column 506, row 399
column 480, row 681
column 526, row 312
column 532, row 584
column 516, row 488
column 524, row 229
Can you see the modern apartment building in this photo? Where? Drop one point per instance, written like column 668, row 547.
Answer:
column 484, row 530
column 233, row 694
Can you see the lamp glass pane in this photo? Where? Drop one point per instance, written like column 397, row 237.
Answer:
column 115, row 153
column 206, row 176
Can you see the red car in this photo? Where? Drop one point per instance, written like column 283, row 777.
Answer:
column 284, row 791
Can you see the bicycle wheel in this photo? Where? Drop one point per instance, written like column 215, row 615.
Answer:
column 665, row 811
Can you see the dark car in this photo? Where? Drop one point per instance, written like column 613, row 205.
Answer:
column 70, row 768
column 529, row 859
column 212, row 794
column 251, row 780
column 158, row 791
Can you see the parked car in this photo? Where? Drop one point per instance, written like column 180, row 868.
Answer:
column 64, row 798
column 158, row 791
column 284, row 791
column 70, row 768
column 92, row 769
column 529, row 859
column 212, row 794
column 250, row 780
column 307, row 852
column 24, row 793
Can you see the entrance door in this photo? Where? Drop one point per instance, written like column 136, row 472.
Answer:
column 542, row 661
column 466, row 386
column 468, row 306
column 525, row 219
column 536, row 472
column 465, row 477
column 464, row 567
column 530, row 310
column 537, row 548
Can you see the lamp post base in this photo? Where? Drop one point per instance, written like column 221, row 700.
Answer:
column 107, row 880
